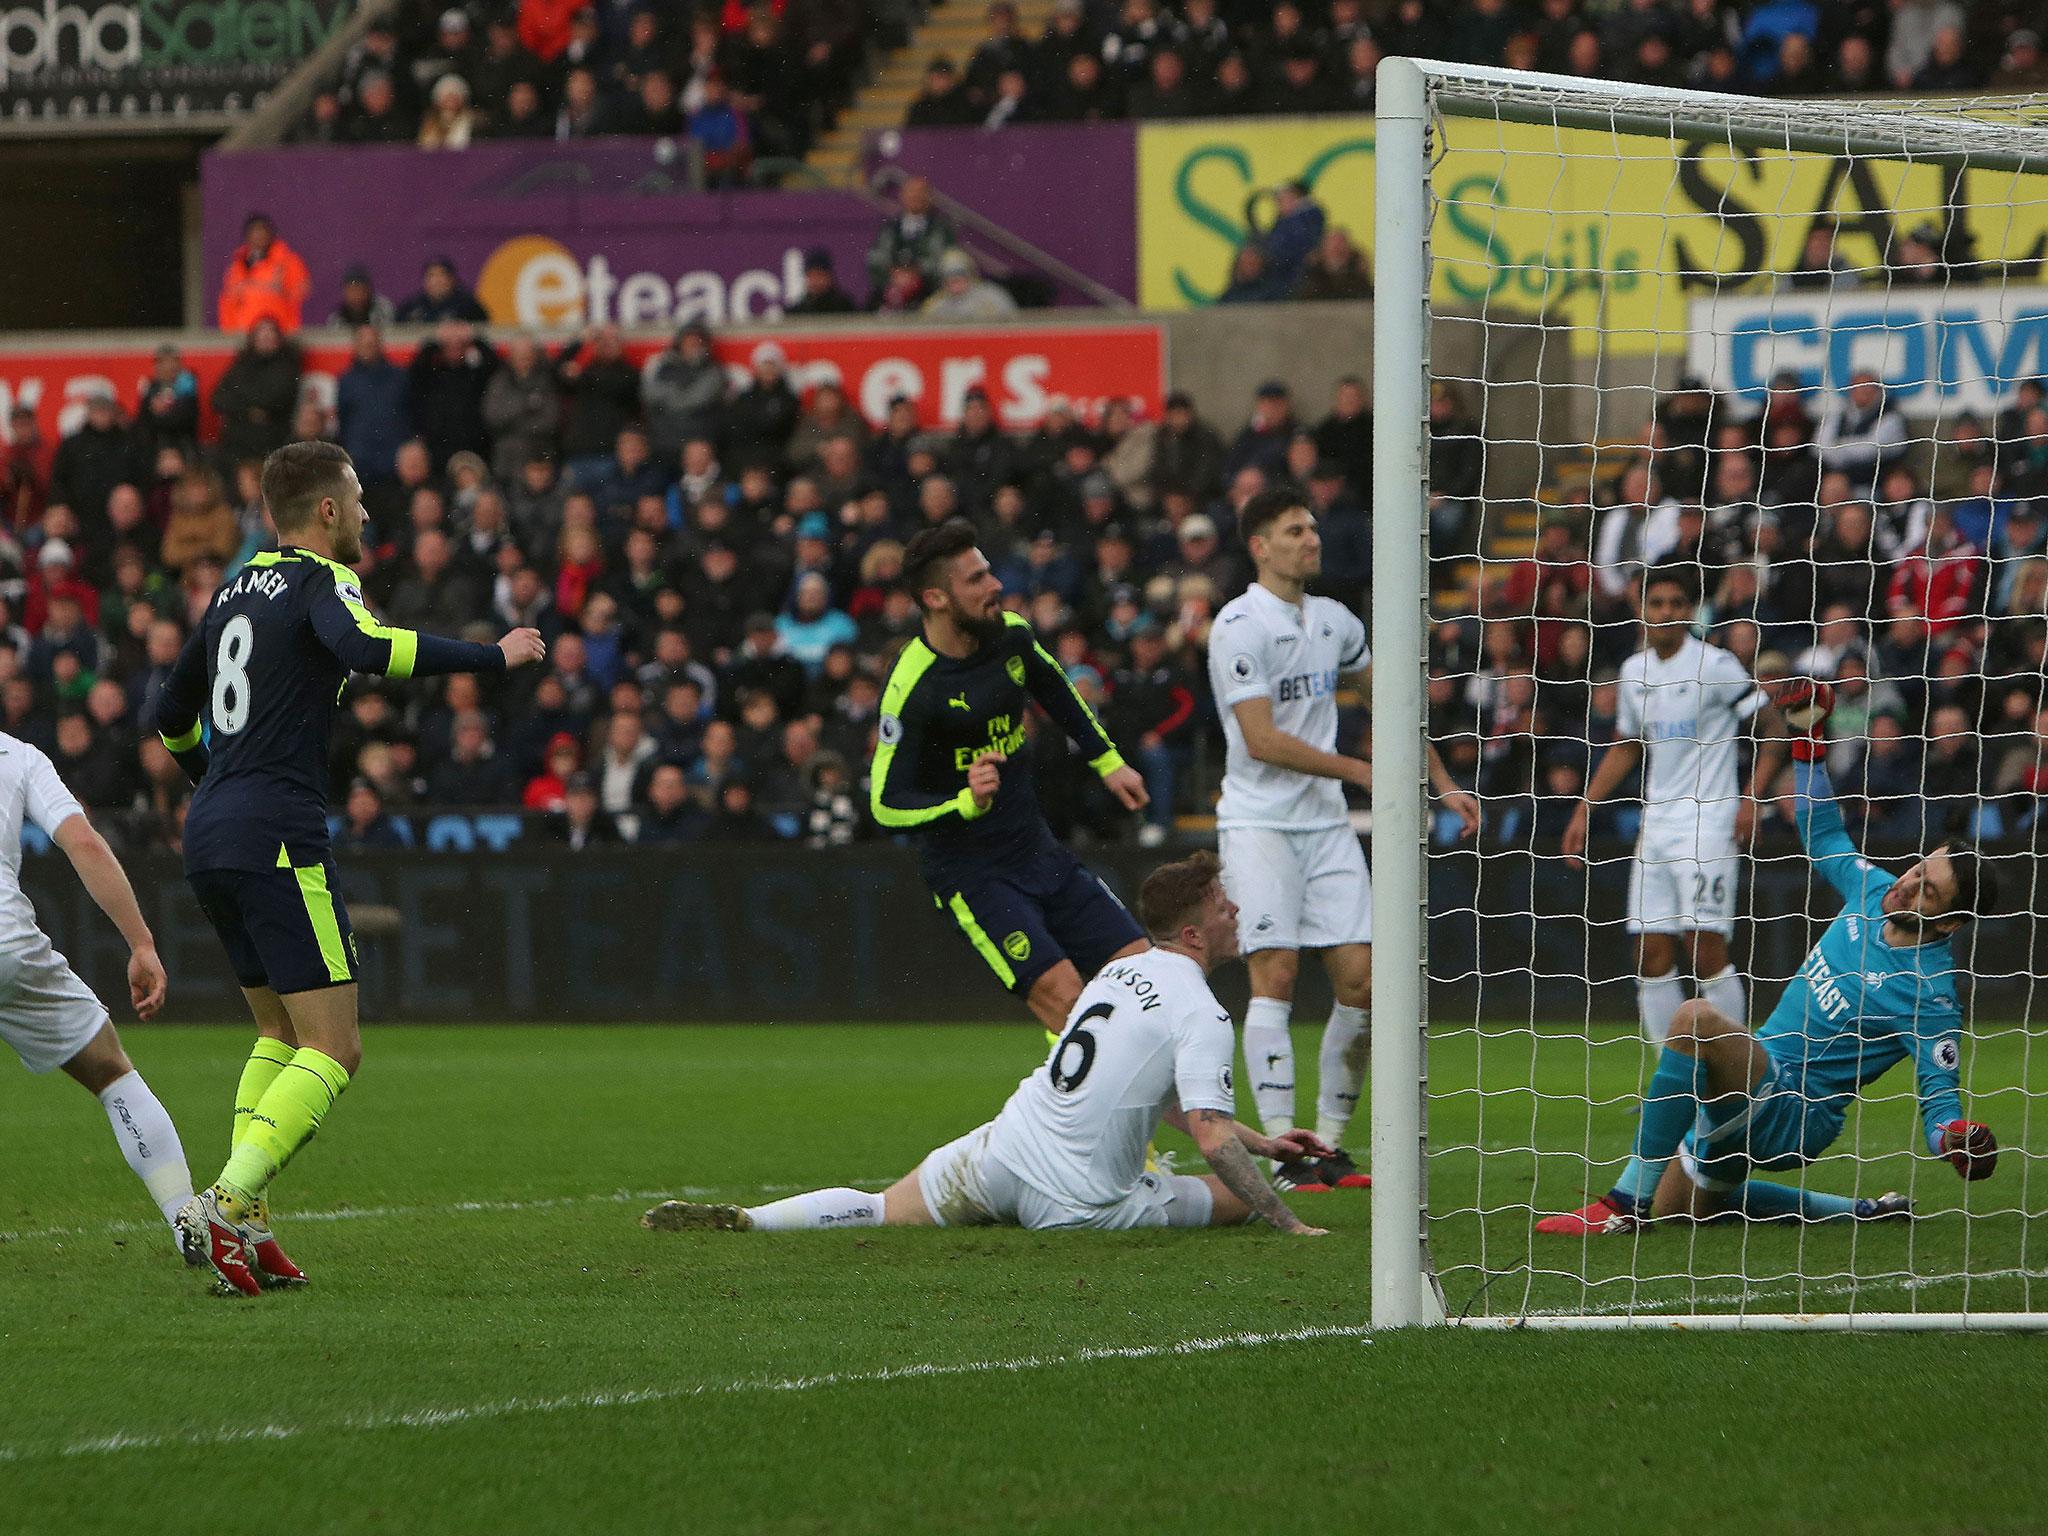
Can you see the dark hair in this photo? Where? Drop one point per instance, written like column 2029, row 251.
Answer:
column 1266, row 509
column 1172, row 894
column 1685, row 577
column 298, row 476
column 930, row 549
column 1976, row 880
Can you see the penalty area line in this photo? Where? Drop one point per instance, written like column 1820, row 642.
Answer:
column 629, row 1397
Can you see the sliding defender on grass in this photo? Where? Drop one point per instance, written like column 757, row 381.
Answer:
column 264, row 671
column 1879, row 987
column 1146, row 1041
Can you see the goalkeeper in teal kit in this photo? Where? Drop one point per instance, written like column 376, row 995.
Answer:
column 1878, row 988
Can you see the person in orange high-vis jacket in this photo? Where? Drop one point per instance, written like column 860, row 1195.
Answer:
column 265, row 280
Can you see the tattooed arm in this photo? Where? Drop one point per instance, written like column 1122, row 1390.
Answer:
column 1227, row 1146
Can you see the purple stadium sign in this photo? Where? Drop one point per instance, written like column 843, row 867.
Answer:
column 1071, row 189
column 569, row 234
column 550, row 235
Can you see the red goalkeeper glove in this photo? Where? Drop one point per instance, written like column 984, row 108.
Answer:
column 1805, row 703
column 1970, row 1147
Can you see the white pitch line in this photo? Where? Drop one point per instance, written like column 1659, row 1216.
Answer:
column 459, row 1208
column 515, row 1407
column 1650, row 1310
column 441, row 1417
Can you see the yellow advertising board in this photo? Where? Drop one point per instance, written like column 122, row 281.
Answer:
column 1606, row 232
column 1203, row 185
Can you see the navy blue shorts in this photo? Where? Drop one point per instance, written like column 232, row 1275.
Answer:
column 1025, row 920
column 286, row 929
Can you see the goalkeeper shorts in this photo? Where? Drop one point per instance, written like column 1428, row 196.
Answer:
column 1773, row 1127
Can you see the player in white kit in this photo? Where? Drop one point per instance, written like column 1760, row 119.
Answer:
column 1290, row 856
column 47, row 1014
column 1146, row 1041
column 1685, row 704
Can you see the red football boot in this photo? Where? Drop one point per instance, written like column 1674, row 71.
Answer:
column 1340, row 1170
column 220, row 1244
column 274, row 1272
column 1303, row 1176
column 1600, row 1219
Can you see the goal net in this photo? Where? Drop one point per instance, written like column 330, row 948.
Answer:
column 1676, row 393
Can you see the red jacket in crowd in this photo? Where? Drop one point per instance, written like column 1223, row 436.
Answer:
column 1937, row 581
column 43, row 587
column 25, row 482
column 544, row 26
column 734, row 14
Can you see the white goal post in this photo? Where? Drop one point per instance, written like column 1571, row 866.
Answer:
column 1520, row 1147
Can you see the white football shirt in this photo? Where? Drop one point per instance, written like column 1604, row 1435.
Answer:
column 1688, row 713
column 1263, row 647
column 29, row 791
column 1147, row 1031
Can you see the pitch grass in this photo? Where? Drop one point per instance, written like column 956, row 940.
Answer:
column 1524, row 1120
column 492, row 1344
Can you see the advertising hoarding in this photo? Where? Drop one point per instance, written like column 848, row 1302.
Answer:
column 152, row 61
column 1614, row 234
column 1024, row 368
column 1945, row 349
column 608, row 229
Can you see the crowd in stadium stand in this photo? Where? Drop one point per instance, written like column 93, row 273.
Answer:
column 761, row 80
column 740, row 82
column 1831, row 538
column 715, row 562
column 715, row 566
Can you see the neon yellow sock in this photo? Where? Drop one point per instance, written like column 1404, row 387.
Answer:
column 258, row 1073
column 284, row 1120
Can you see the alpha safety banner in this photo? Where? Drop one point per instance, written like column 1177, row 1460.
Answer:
column 1614, row 234
column 153, row 60
column 1024, row 368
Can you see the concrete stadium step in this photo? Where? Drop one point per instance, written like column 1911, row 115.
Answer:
column 955, row 29
column 873, row 115
column 895, row 99
column 834, row 161
column 901, row 70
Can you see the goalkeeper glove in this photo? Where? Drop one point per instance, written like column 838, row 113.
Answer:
column 1970, row 1147
column 1805, row 704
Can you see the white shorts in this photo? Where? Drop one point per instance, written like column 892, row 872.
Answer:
column 1297, row 890
column 964, row 1187
column 1684, row 883
column 46, row 1013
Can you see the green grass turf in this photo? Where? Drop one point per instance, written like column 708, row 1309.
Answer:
column 464, row 1366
